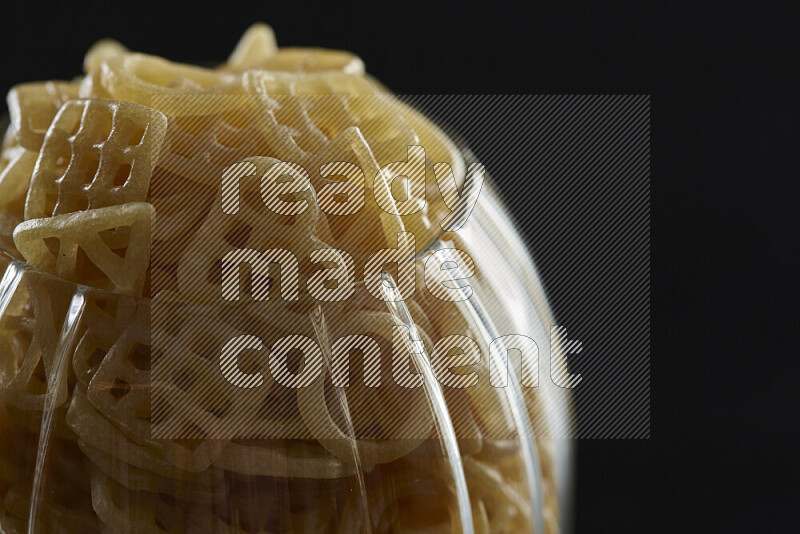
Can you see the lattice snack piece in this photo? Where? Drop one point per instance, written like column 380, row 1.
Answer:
column 97, row 153
column 107, row 248
column 191, row 398
column 30, row 326
column 120, row 387
column 32, row 107
column 261, row 228
column 104, row 325
column 213, row 132
column 16, row 168
column 308, row 83
column 283, row 458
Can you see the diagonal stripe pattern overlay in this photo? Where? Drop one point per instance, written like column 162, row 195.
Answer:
column 574, row 170
column 237, row 293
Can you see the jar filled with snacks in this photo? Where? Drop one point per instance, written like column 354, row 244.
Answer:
column 269, row 296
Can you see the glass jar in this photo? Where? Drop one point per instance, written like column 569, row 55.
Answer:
column 71, row 462
column 150, row 403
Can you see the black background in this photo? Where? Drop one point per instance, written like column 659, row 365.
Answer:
column 721, row 77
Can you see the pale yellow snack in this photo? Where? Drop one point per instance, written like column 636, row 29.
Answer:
column 210, row 406
column 279, row 458
column 223, row 131
column 200, row 261
column 144, row 79
column 97, row 153
column 106, row 248
column 100, row 52
column 314, row 60
column 16, row 168
column 275, row 83
column 170, row 458
column 32, row 107
column 120, row 385
column 258, row 49
column 256, row 45
column 15, row 176
column 106, row 318
column 30, row 330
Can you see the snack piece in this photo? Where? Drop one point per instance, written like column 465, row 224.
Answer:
column 99, row 53
column 96, row 432
column 107, row 248
column 255, row 46
column 151, row 513
column 106, row 318
column 165, row 482
column 258, row 50
column 31, row 318
column 142, row 79
column 192, row 334
column 226, row 130
column 15, row 176
column 120, row 386
column 16, row 168
column 297, row 60
column 285, row 459
column 199, row 269
column 97, row 153
column 33, row 106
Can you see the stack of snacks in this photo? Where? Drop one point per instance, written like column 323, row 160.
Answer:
column 109, row 188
